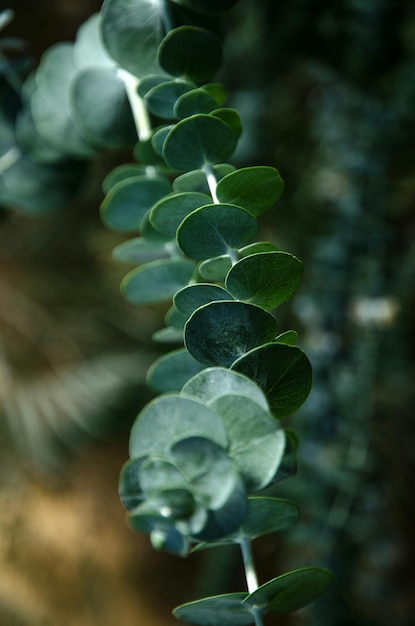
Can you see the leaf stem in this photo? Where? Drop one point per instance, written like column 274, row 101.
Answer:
column 251, row 577
column 212, row 182
column 138, row 108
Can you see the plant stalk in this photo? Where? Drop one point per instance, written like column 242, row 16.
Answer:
column 138, row 108
column 212, row 182
column 251, row 577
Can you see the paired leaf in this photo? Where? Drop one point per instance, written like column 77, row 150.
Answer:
column 132, row 31
column 140, row 250
column 290, row 592
column 198, row 141
column 156, row 281
column 171, row 371
column 216, row 269
column 196, row 180
column 226, row 610
column 191, row 52
column 168, row 213
column 214, row 230
column 283, row 373
column 192, row 297
column 171, row 418
column 162, row 98
column 220, row 332
column 266, row 279
column 192, row 102
column 254, row 188
column 127, row 202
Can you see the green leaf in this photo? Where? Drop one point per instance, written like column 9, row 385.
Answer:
column 139, row 250
column 214, row 482
column 170, row 540
column 171, row 371
column 101, row 110
column 232, row 119
column 265, row 515
column 191, row 52
column 171, row 418
column 220, row 332
column 217, row 91
column 282, row 372
column 254, row 188
column 256, row 441
column 129, row 486
column 89, row 50
column 127, row 202
column 210, row 7
column 196, row 180
column 214, row 382
column 132, row 31
column 50, row 103
column 157, row 475
column 198, row 141
column 226, row 610
column 120, row 173
column 290, row 592
column 215, row 269
column 148, row 82
column 156, row 281
column 214, row 230
column 162, row 98
column 158, row 138
column 192, row 102
column 192, row 297
column 169, row 212
column 144, row 153
column 267, row 279
column 257, row 246
column 289, row 338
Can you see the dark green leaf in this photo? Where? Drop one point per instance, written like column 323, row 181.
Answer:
column 225, row 610
column 196, row 180
column 192, row 102
column 217, row 91
column 215, row 230
column 289, row 338
column 220, row 332
column 215, row 269
column 120, row 173
column 171, row 371
column 162, row 98
column 148, row 82
column 140, row 250
column 128, row 201
column 257, row 246
column 198, row 141
column 282, row 372
column 169, row 212
column 159, row 137
column 192, row 297
column 254, row 188
column 129, row 487
column 290, row 592
column 232, row 119
column 156, row 281
column 267, row 279
column 192, row 52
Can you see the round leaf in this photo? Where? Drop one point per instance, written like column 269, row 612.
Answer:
column 267, row 279
column 254, row 188
column 171, row 371
column 215, row 382
column 196, row 180
column 282, row 372
column 101, row 110
column 220, row 332
column 198, row 141
column 162, row 98
column 226, row 610
column 256, row 442
column 127, row 202
column 192, row 297
column 140, row 250
column 216, row 269
column 120, row 173
column 156, row 281
column 231, row 118
column 89, row 50
column 192, row 102
column 290, row 592
column 214, row 230
column 169, row 212
column 170, row 418
column 190, row 51
column 132, row 31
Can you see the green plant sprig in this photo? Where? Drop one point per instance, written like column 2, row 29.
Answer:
column 203, row 452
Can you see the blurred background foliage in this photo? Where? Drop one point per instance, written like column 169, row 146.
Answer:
column 326, row 92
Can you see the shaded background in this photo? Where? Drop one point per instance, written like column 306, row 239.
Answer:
column 327, row 95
